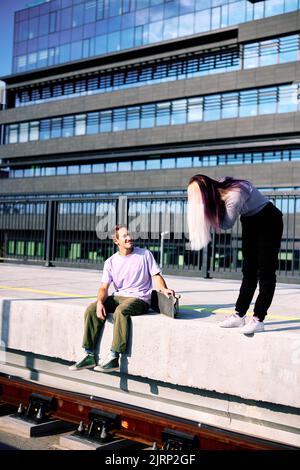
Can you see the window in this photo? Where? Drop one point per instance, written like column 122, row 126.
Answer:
column 147, row 116
column 195, row 109
column 248, row 103
column 80, row 124
column 267, row 101
column 163, row 112
column 268, row 52
column 133, row 117
column 23, row 136
column 212, row 107
column 34, row 130
column 68, row 126
column 153, row 164
column 13, row 134
column 45, row 129
column 229, row 105
column 56, row 128
column 92, row 123
column 287, row 101
column 179, row 112
column 289, row 48
column 119, row 119
column 105, row 121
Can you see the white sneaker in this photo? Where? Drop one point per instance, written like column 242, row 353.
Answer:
column 234, row 321
column 253, row 326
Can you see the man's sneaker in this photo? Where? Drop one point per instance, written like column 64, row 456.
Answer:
column 253, row 326
column 87, row 362
column 234, row 321
column 110, row 364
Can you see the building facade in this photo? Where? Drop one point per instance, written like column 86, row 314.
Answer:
column 133, row 97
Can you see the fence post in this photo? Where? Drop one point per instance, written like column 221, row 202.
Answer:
column 50, row 232
column 206, row 260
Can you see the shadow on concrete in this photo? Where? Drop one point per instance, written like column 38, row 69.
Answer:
column 5, row 314
column 5, row 326
column 284, row 322
column 191, row 311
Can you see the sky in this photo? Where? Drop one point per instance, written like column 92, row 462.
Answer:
column 7, row 9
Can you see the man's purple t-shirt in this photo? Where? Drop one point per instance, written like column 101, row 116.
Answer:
column 131, row 274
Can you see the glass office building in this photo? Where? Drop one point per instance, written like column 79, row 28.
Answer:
column 132, row 97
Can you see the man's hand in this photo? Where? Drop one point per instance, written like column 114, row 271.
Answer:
column 167, row 292
column 101, row 312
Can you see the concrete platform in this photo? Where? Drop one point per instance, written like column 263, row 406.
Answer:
column 42, row 320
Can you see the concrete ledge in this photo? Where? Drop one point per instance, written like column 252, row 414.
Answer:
column 182, row 352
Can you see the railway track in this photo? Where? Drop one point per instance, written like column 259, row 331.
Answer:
column 109, row 422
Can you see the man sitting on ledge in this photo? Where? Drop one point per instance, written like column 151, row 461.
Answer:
column 131, row 271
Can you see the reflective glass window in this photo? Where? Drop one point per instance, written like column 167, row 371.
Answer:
column 45, row 129
column 23, row 132
column 195, row 109
column 73, row 170
column 100, row 45
column 66, row 18
column 179, row 112
column 56, row 127
column 80, row 124
column 61, row 170
column 147, row 116
column 267, row 101
column 68, row 126
column 114, row 41
column 163, row 114
column 287, row 99
column 168, row 163
column 111, row 167
column 98, row 168
column 237, row 12
column 186, row 25
column 13, row 134
column 268, row 52
column 85, row 169
column 229, row 105
column 127, row 38
column 133, row 117
column 90, row 11
column 34, row 130
column 184, row 162
column 43, row 25
column 138, row 165
column 170, row 28
column 274, row 7
column 124, row 166
column 33, row 28
column 78, row 15
column 105, row 121
column 289, row 48
column 119, row 119
column 153, row 164
column 248, row 103
column 202, row 21
column 212, row 107
column 76, row 50
column 250, row 56
column 92, row 123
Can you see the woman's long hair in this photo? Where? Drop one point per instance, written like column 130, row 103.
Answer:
column 206, row 207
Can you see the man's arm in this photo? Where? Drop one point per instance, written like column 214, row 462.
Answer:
column 160, row 285
column 101, row 297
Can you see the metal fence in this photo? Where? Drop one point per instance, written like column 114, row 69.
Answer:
column 76, row 232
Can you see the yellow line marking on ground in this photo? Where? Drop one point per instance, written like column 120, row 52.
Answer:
column 216, row 311
column 228, row 311
column 40, row 291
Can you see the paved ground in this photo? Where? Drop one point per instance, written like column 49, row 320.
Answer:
column 208, row 300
